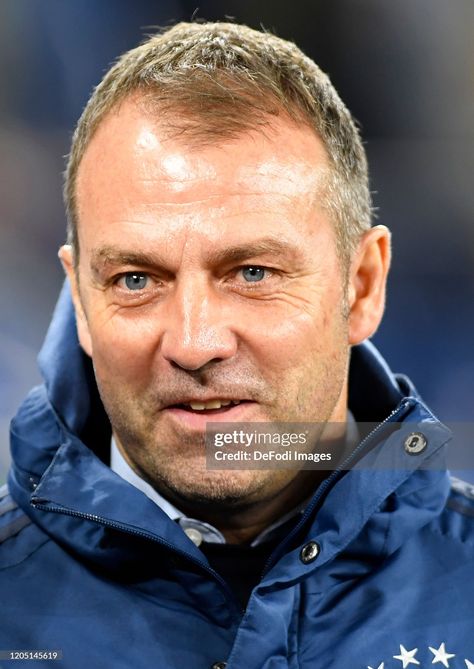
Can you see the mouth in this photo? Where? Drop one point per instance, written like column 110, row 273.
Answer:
column 196, row 413
column 214, row 405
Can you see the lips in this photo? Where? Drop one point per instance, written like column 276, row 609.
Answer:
column 197, row 405
column 194, row 414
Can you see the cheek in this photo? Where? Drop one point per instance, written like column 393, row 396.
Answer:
column 123, row 350
column 289, row 342
column 303, row 329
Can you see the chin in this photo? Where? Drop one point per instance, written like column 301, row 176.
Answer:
column 227, row 489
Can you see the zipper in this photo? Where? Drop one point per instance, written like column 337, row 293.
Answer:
column 128, row 530
column 328, row 482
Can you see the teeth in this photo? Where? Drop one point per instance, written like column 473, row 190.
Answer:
column 197, row 406
column 213, row 404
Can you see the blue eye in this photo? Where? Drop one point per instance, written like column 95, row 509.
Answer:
column 135, row 281
column 253, row 274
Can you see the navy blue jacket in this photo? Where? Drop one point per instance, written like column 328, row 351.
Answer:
column 90, row 567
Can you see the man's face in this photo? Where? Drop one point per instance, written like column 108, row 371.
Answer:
column 208, row 275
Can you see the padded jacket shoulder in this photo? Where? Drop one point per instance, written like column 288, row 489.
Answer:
column 19, row 538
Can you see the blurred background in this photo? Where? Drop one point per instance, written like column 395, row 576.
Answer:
column 406, row 71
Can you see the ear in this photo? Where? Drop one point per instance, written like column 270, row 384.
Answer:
column 66, row 255
column 367, row 281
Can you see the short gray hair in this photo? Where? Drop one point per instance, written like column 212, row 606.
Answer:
column 214, row 81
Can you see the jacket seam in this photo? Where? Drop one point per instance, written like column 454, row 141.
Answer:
column 14, row 527
column 25, row 557
column 7, row 507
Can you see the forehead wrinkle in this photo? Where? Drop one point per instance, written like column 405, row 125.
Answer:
column 254, row 202
column 238, row 194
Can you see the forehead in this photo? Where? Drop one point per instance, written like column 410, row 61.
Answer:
column 135, row 169
column 129, row 136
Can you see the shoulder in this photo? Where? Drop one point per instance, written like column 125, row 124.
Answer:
column 12, row 518
column 457, row 520
column 19, row 537
column 461, row 498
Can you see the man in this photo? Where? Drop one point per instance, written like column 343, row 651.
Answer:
column 222, row 268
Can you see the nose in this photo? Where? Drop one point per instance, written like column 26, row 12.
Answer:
column 196, row 328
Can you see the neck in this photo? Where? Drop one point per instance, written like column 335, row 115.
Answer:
column 241, row 525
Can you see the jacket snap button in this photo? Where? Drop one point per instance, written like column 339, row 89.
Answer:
column 219, row 665
column 415, row 443
column 309, row 552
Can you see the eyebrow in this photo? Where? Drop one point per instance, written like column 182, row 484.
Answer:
column 116, row 257
column 265, row 246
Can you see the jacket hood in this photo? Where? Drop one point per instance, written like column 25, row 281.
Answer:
column 60, row 442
